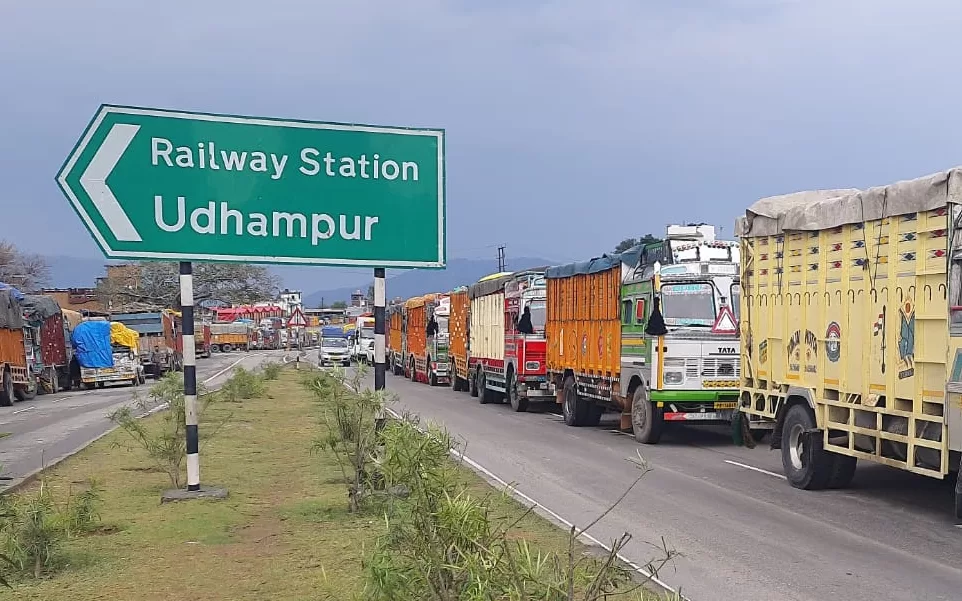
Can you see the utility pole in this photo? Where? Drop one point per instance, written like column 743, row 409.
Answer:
column 501, row 264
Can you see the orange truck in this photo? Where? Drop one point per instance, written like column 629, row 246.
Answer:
column 15, row 380
column 227, row 337
column 458, row 341
column 427, row 357
column 395, row 350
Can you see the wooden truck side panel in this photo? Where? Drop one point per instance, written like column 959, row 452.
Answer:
column 11, row 348
column 53, row 343
column 857, row 316
column 458, row 327
column 394, row 331
column 583, row 325
column 417, row 322
column 487, row 327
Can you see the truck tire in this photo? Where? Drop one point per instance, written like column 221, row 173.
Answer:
column 473, row 384
column 226, row 348
column 595, row 411
column 519, row 404
column 806, row 464
column 54, row 380
column 647, row 422
column 6, row 390
column 843, row 470
column 28, row 393
column 574, row 409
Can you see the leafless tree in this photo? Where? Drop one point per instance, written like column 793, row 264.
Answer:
column 23, row 270
column 156, row 285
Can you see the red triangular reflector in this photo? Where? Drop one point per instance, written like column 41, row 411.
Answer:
column 725, row 322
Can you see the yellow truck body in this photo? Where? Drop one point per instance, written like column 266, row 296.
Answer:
column 851, row 307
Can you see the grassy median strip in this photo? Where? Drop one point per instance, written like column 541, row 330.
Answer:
column 285, row 532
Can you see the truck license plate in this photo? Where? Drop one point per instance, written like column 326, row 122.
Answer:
column 725, row 405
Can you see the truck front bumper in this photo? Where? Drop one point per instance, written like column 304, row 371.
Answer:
column 534, row 387
column 114, row 377
column 697, row 405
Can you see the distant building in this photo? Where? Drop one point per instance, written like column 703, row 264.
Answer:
column 75, row 299
column 290, row 300
column 359, row 299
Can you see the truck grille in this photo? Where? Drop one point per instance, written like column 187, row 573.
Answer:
column 707, row 367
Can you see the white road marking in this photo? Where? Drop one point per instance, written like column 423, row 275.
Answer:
column 530, row 502
column 230, row 367
column 25, row 410
column 755, row 469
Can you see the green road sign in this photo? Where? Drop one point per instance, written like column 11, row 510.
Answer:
column 157, row 184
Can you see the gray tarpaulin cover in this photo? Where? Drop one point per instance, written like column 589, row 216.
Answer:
column 487, row 287
column 825, row 209
column 10, row 316
column 37, row 308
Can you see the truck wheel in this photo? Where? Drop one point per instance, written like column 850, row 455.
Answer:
column 574, row 408
column 483, row 388
column 807, row 465
column 843, row 470
column 101, row 384
column 473, row 384
column 414, row 371
column 26, row 394
column 7, row 392
column 595, row 412
column 647, row 422
column 54, row 381
column 517, row 403
column 226, row 348
column 433, row 380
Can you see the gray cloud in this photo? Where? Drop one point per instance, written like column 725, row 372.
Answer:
column 570, row 124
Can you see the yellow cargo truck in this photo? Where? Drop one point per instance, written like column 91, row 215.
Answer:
column 851, row 328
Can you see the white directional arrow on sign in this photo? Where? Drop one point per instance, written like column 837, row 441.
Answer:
column 94, row 181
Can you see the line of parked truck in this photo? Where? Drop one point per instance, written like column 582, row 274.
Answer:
column 833, row 323
column 46, row 349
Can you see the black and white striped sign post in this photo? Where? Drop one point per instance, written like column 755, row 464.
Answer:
column 379, row 330
column 190, row 373
column 189, row 351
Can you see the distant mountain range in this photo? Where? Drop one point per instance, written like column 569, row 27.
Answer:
column 405, row 284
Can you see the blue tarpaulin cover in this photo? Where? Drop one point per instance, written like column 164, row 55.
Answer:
column 91, row 344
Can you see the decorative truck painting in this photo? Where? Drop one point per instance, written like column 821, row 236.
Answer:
column 650, row 333
column 516, row 371
column 47, row 340
column 852, row 329
column 16, row 380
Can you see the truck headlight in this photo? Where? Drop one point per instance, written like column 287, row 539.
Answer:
column 674, row 377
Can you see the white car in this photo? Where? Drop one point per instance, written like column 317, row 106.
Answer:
column 334, row 351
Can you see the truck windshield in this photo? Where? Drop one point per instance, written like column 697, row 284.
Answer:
column 688, row 304
column 442, row 324
column 367, row 332
column 537, row 314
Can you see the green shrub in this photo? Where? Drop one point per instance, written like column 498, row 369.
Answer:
column 242, row 385
column 33, row 527
column 271, row 370
column 165, row 440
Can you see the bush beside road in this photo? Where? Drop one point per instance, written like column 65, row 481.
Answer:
column 285, row 531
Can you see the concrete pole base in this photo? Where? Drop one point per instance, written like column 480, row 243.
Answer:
column 182, row 494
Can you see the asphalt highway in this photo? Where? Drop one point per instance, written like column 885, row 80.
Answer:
column 741, row 531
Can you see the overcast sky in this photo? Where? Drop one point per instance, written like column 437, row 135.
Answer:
column 570, row 125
